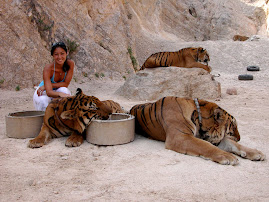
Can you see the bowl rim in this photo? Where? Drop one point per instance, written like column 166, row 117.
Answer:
column 11, row 115
column 130, row 117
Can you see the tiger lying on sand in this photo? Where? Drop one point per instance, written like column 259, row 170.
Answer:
column 186, row 57
column 193, row 127
column 71, row 116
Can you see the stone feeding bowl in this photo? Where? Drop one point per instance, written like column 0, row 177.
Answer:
column 24, row 124
column 118, row 129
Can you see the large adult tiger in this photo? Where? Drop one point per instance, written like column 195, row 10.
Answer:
column 187, row 57
column 194, row 127
column 72, row 115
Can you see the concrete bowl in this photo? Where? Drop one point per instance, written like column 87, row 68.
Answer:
column 118, row 129
column 24, row 124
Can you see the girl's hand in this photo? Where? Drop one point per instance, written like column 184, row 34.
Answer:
column 40, row 90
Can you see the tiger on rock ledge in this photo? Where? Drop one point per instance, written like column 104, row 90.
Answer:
column 187, row 57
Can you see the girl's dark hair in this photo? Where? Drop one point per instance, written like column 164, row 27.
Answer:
column 63, row 46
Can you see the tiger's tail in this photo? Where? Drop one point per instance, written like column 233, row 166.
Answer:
column 142, row 67
column 150, row 61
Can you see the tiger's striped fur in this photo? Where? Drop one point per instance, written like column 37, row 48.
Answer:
column 116, row 108
column 175, row 121
column 187, row 57
column 70, row 116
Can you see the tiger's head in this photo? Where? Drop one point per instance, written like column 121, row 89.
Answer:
column 200, row 55
column 227, row 122
column 217, row 124
column 82, row 110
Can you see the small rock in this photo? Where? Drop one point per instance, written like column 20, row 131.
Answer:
column 231, row 91
column 64, row 158
column 95, row 154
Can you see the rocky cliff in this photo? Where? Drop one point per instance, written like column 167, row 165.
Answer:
column 112, row 38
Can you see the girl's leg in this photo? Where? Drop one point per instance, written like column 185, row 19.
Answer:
column 41, row 102
column 63, row 90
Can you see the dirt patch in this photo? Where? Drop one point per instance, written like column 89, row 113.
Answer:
column 142, row 170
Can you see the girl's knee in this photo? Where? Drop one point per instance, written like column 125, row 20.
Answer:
column 64, row 90
column 41, row 102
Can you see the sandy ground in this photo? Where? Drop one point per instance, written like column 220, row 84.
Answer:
column 142, row 170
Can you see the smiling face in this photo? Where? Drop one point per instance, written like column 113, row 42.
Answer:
column 59, row 55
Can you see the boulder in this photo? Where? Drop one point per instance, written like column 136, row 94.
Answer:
column 155, row 83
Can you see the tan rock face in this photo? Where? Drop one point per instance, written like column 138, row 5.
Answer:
column 114, row 37
column 155, row 83
column 22, row 53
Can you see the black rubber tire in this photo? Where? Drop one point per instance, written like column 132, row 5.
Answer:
column 245, row 77
column 253, row 68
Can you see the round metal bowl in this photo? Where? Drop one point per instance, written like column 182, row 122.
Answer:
column 118, row 129
column 25, row 124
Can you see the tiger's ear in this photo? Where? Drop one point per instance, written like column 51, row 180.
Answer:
column 200, row 49
column 218, row 115
column 79, row 91
column 70, row 114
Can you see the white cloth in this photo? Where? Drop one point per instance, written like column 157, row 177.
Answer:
column 41, row 102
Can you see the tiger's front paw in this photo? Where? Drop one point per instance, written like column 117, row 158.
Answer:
column 253, row 154
column 226, row 159
column 74, row 140
column 209, row 69
column 35, row 143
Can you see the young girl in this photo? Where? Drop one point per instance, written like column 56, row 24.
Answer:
column 56, row 78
